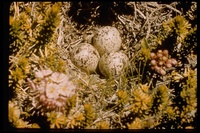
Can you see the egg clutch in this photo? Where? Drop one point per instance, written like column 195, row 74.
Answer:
column 103, row 52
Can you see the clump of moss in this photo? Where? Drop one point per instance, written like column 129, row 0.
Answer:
column 141, row 99
column 16, row 118
column 177, row 26
column 57, row 120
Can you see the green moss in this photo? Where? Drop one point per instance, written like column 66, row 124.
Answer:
column 141, row 101
column 89, row 114
column 102, row 125
column 18, row 74
column 177, row 26
column 57, row 120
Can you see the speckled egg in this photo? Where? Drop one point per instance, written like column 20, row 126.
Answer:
column 86, row 57
column 107, row 39
column 113, row 64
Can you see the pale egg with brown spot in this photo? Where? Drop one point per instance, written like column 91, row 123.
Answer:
column 113, row 64
column 107, row 39
column 85, row 57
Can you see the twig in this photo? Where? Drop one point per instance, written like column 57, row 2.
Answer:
column 170, row 7
column 60, row 36
column 105, row 115
column 152, row 4
column 22, row 89
column 76, row 42
column 121, row 20
column 126, row 19
column 135, row 14
column 141, row 13
column 151, row 15
column 16, row 9
column 148, row 28
column 33, row 6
